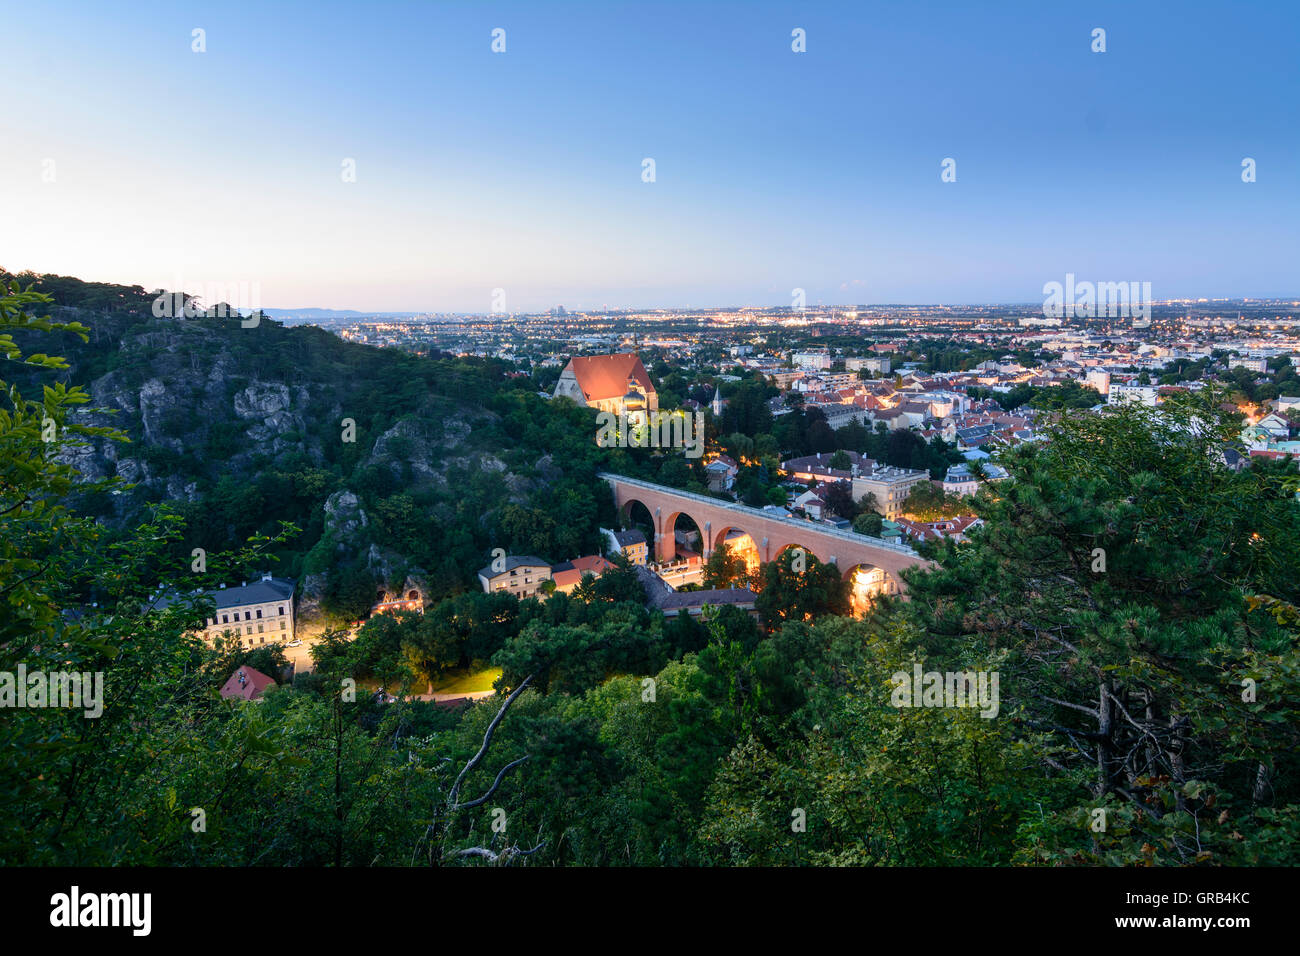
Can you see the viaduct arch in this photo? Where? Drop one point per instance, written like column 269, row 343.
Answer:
column 771, row 533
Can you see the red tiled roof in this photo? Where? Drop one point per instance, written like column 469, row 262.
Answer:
column 571, row 572
column 605, row 376
column 253, row 685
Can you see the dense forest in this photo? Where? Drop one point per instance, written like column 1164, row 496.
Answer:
column 1136, row 599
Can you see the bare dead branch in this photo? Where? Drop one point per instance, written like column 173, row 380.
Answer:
column 487, row 741
column 495, row 783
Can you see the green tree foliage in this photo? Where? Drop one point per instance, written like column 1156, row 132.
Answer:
column 1137, row 599
column 1068, row 394
column 869, row 522
column 928, row 502
column 798, row 587
column 725, row 569
column 1115, row 570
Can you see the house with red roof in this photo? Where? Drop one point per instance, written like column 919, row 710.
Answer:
column 246, row 684
column 568, row 575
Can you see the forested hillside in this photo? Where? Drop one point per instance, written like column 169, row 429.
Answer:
column 392, row 466
column 1136, row 598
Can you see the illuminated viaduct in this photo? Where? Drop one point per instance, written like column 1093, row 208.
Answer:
column 772, row 534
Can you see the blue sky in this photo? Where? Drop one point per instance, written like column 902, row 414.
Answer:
column 775, row 170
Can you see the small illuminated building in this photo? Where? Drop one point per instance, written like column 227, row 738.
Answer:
column 385, row 604
column 866, row 584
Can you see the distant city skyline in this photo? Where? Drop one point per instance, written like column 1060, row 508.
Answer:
column 137, row 160
column 823, row 307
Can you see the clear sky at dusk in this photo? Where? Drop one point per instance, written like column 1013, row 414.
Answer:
column 774, row 169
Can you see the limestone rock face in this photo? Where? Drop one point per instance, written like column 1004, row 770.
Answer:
column 269, row 408
column 262, row 400
column 309, row 620
column 155, row 402
column 419, row 451
column 344, row 516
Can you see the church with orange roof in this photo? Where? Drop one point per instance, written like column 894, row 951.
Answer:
column 615, row 383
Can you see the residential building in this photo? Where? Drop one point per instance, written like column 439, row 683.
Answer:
column 520, row 574
column 890, row 486
column 721, row 473
column 246, row 684
column 1145, row 394
column 1098, row 379
column 818, row 467
column 878, row 365
column 1252, row 364
column 816, row 359
column 255, row 613
column 954, row 528
column 959, row 481
column 569, row 574
column 785, row 378
column 631, row 544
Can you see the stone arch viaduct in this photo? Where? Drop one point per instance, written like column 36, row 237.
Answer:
column 771, row 533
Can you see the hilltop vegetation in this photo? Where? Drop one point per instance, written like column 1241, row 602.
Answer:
column 1148, row 711
column 393, row 466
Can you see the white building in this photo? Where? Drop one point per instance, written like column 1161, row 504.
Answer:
column 255, row 613
column 1146, row 394
column 812, row 359
column 879, row 365
column 1251, row 364
column 889, row 485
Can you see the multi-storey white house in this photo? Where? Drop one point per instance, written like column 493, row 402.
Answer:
column 254, row 613
column 520, row 574
column 890, row 485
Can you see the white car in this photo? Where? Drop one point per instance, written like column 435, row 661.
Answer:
column 294, row 644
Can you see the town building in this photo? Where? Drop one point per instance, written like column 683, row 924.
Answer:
column 631, row 544
column 784, row 378
column 255, row 613
column 878, row 365
column 520, row 574
column 1250, row 364
column 815, row 359
column 1144, row 394
column 1098, row 379
column 246, row 684
column 818, row 467
column 721, row 473
column 959, row 481
column 889, row 485
column 569, row 574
